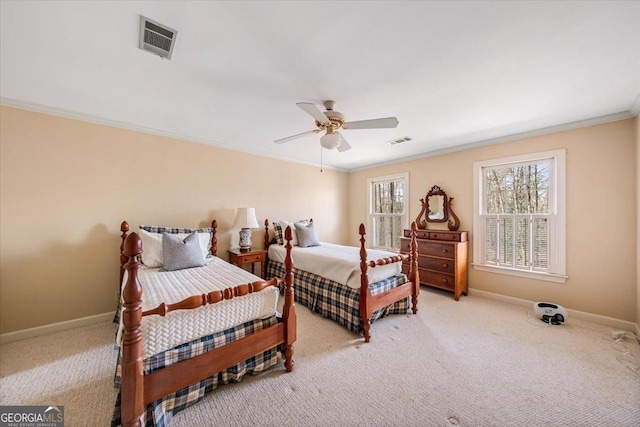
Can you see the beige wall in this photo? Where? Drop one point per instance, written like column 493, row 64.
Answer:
column 66, row 185
column 601, row 243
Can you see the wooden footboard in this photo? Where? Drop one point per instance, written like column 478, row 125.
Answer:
column 369, row 303
column 138, row 390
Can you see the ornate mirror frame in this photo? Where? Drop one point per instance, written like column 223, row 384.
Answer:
column 447, row 210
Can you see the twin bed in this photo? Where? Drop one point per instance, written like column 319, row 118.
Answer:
column 353, row 286
column 200, row 327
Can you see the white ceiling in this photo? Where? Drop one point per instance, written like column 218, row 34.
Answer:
column 454, row 73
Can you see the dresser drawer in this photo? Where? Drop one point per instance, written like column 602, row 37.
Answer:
column 438, row 264
column 448, row 237
column 438, row 249
column 444, row 235
column 440, row 280
column 429, row 247
column 253, row 258
column 420, row 234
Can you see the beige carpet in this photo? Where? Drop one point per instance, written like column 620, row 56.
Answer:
column 476, row 362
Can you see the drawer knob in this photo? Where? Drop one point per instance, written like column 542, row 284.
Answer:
column 445, row 250
column 445, row 281
column 445, row 265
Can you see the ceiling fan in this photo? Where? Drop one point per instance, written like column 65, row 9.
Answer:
column 331, row 121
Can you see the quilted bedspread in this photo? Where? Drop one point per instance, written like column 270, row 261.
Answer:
column 340, row 264
column 181, row 326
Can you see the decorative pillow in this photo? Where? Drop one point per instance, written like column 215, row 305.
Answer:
column 178, row 254
column 278, row 233
column 151, row 237
column 294, row 237
column 282, row 226
column 151, row 248
column 306, row 235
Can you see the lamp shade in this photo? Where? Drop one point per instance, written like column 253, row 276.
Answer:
column 330, row 140
column 246, row 218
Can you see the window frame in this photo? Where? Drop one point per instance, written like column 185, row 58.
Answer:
column 557, row 230
column 371, row 215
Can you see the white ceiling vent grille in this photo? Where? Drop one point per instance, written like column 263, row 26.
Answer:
column 157, row 38
column 399, row 140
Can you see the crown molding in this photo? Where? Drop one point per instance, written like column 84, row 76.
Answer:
column 623, row 115
column 55, row 111
column 635, row 107
column 60, row 112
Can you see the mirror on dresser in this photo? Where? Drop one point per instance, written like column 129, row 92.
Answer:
column 436, row 207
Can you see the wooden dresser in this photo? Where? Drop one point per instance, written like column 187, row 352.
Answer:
column 442, row 259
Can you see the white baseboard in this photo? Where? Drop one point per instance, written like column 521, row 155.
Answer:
column 595, row 318
column 54, row 327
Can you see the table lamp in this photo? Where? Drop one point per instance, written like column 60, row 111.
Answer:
column 245, row 221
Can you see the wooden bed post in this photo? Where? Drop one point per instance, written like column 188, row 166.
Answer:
column 289, row 308
column 214, row 239
column 266, row 234
column 132, row 407
column 414, row 275
column 124, row 228
column 365, row 293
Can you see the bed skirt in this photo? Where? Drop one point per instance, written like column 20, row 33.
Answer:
column 339, row 302
column 160, row 411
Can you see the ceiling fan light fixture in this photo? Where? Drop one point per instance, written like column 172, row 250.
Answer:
column 330, row 140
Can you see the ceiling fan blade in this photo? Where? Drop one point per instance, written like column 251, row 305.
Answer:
column 314, row 112
column 292, row 137
column 344, row 145
column 387, row 122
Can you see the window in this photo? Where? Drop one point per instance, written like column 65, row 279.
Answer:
column 388, row 210
column 519, row 216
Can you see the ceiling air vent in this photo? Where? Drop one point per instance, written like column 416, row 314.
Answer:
column 157, row 38
column 399, row 140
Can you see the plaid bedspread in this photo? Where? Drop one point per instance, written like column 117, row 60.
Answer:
column 339, row 302
column 160, row 411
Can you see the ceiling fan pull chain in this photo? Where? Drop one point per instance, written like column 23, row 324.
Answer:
column 321, row 158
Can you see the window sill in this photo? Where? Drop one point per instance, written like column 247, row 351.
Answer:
column 547, row 277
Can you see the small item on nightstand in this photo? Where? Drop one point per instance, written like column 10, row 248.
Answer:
column 245, row 220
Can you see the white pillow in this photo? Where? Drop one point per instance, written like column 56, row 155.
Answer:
column 152, row 246
column 294, row 239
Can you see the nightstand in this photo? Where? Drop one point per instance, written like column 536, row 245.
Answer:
column 240, row 258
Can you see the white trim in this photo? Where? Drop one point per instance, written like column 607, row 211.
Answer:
column 623, row 115
column 54, row 111
column 558, row 238
column 589, row 317
column 538, row 275
column 405, row 220
column 55, row 327
column 41, row 108
column 635, row 107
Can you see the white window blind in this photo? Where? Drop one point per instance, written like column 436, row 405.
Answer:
column 388, row 210
column 519, row 215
